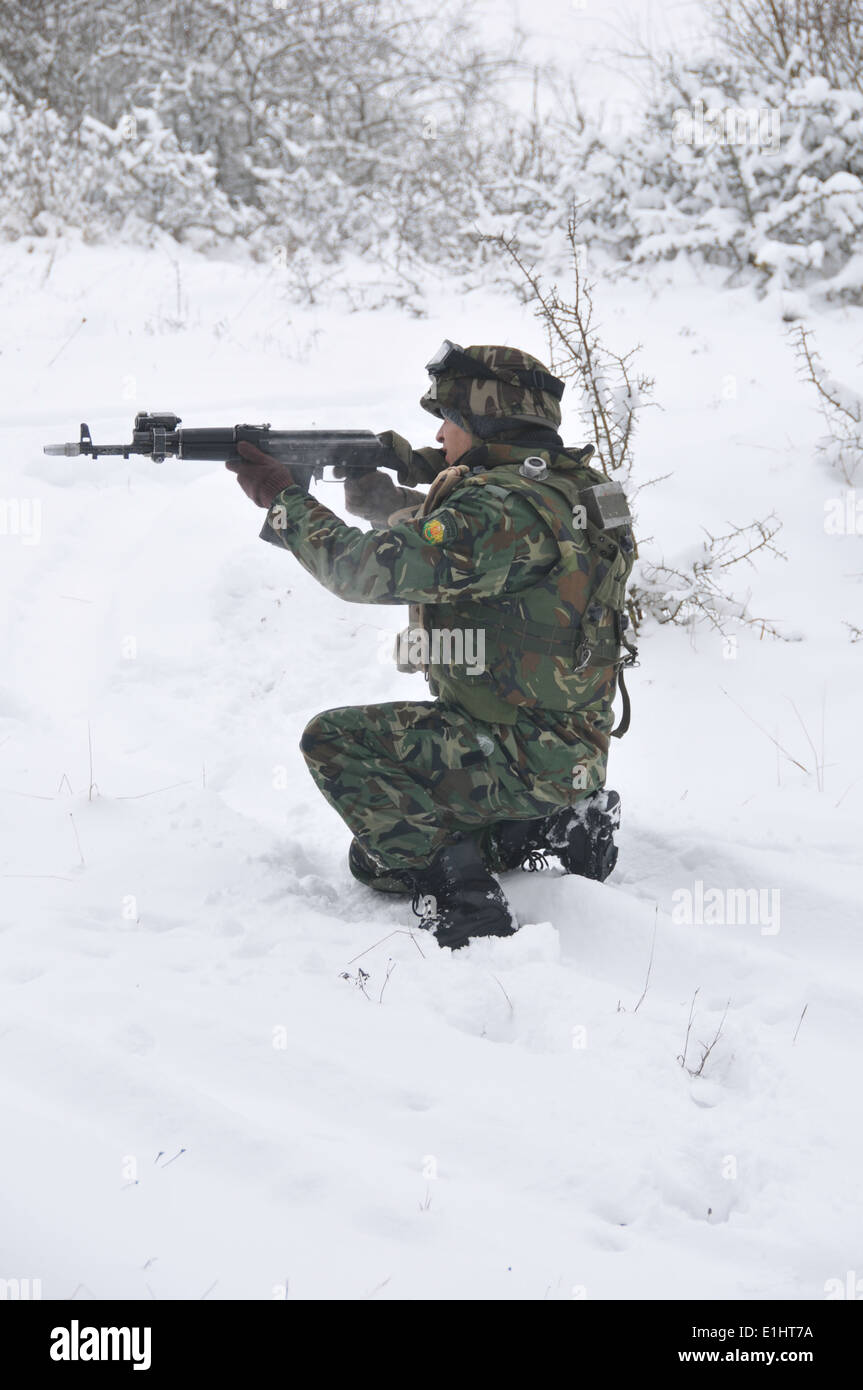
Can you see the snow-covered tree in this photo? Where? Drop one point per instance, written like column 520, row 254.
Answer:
column 750, row 154
column 337, row 125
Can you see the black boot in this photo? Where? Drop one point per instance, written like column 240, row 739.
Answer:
column 374, row 875
column 580, row 836
column 458, row 899
column 517, row 844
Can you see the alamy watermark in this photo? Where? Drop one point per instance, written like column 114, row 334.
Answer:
column 418, row 647
column 22, row 517
column 77, row 1343
column 850, row 1287
column 843, row 516
column 727, row 907
column 15, row 1290
column 704, row 126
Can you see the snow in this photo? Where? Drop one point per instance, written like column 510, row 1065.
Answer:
column 198, row 1097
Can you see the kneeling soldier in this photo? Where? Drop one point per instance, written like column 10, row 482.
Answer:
column 515, row 565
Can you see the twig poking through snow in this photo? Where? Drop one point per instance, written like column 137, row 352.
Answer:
column 682, row 1059
column 64, row 878
column 846, row 791
column 75, row 330
column 93, row 787
column 819, row 763
column 709, row 1047
column 764, row 731
column 400, row 931
column 138, row 796
column 77, row 840
column 390, row 968
column 650, row 962
column 176, row 1155
column 505, row 995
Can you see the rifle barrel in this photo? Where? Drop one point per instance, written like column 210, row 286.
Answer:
column 314, row 449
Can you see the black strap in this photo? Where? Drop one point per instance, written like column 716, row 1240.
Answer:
column 625, row 711
column 462, row 364
column 578, row 455
column 631, row 659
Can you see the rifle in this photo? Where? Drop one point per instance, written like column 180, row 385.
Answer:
column 308, row 452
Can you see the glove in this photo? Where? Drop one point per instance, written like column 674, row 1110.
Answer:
column 415, row 465
column 260, row 476
column 371, row 495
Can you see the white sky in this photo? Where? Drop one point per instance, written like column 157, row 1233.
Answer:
column 572, row 34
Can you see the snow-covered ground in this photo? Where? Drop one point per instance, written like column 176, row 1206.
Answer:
column 177, row 921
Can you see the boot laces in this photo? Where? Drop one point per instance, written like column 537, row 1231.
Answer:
column 534, row 860
column 422, row 905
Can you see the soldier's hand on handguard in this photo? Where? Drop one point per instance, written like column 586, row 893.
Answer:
column 372, row 495
column 260, row 475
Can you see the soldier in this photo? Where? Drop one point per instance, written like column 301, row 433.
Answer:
column 515, row 562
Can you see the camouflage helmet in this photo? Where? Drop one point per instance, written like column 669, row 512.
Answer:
column 506, row 385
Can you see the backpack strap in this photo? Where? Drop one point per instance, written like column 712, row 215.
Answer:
column 621, row 622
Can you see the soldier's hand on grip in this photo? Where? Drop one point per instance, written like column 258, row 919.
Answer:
column 260, row 476
column 372, row 495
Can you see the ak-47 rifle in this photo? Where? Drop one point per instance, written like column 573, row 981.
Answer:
column 308, row 452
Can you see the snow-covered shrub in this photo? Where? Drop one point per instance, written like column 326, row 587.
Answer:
column 768, row 176
column 150, row 184
column 695, row 588
column 316, row 131
column 332, row 126
column 134, row 180
column 40, row 170
column 841, row 407
column 750, row 154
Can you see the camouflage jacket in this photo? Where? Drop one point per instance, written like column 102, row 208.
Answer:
column 502, row 557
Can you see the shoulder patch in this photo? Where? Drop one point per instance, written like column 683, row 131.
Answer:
column 435, row 531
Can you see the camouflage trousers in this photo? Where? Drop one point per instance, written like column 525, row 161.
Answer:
column 406, row 777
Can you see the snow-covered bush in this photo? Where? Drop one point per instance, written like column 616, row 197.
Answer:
column 315, row 131
column 841, row 407
column 40, row 170
column 768, row 176
column 750, row 154
column 103, row 181
column 338, row 126
column 695, row 588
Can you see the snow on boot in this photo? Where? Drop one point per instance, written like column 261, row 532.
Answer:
column 458, row 899
column 582, row 836
column 368, row 871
